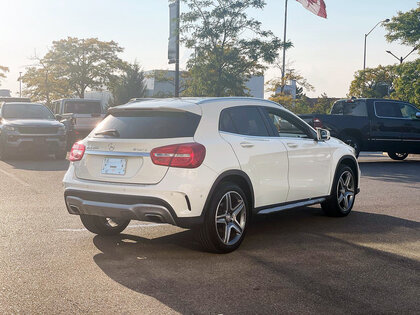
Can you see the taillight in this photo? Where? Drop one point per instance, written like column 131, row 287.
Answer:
column 317, row 123
column 77, row 151
column 185, row 155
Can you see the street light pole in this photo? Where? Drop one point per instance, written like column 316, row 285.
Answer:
column 401, row 59
column 20, row 84
column 366, row 35
column 283, row 71
column 177, row 50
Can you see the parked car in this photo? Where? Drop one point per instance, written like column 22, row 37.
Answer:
column 208, row 164
column 79, row 115
column 373, row 125
column 7, row 99
column 30, row 126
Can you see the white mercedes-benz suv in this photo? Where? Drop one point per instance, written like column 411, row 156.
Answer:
column 209, row 164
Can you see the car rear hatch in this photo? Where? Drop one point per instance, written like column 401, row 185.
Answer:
column 86, row 114
column 118, row 150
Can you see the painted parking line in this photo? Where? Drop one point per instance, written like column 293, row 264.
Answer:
column 15, row 178
column 128, row 227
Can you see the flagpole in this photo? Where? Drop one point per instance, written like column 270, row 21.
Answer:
column 284, row 48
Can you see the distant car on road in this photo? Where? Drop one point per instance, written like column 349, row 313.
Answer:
column 79, row 115
column 207, row 164
column 30, row 126
column 373, row 125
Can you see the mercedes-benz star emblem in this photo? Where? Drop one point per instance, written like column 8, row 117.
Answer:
column 111, row 147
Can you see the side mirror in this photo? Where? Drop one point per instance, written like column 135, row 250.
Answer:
column 58, row 117
column 418, row 115
column 322, row 134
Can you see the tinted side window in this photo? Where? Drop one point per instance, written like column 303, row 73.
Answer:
column 149, row 125
column 408, row 111
column 244, row 120
column 285, row 126
column 388, row 109
column 351, row 108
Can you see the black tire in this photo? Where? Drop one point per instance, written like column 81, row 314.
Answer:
column 60, row 155
column 3, row 154
column 397, row 156
column 334, row 206
column 353, row 142
column 210, row 234
column 103, row 226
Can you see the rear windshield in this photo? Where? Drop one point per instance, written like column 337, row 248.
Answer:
column 352, row 108
column 148, row 125
column 81, row 107
column 26, row 111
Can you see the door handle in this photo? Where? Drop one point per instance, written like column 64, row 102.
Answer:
column 246, row 144
column 292, row 145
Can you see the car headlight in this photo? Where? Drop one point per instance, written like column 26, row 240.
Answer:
column 10, row 128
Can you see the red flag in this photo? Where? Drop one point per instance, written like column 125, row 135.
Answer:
column 317, row 7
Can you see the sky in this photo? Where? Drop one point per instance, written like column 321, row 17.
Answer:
column 327, row 52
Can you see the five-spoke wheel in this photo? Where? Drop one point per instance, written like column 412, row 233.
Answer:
column 343, row 193
column 230, row 218
column 226, row 219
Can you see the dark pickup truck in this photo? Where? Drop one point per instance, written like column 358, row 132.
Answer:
column 373, row 125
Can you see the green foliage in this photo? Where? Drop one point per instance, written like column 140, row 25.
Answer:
column 373, row 82
column 84, row 63
column 275, row 85
column 131, row 84
column 407, row 82
column 304, row 105
column 229, row 46
column 3, row 71
column 70, row 67
column 405, row 27
column 323, row 104
column 41, row 84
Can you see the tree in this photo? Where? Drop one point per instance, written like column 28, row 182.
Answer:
column 405, row 27
column 131, row 84
column 373, row 82
column 3, row 71
column 302, row 85
column 229, row 46
column 84, row 63
column 323, row 104
column 407, row 83
column 41, row 83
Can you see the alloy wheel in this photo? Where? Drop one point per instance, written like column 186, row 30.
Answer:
column 230, row 218
column 345, row 191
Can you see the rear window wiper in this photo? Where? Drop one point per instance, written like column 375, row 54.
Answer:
column 108, row 132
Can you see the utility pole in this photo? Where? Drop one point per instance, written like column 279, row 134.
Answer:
column 177, row 49
column 20, row 84
column 283, row 71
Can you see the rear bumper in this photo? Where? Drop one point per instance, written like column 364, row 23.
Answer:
column 131, row 207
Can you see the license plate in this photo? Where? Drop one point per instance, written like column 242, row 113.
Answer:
column 114, row 166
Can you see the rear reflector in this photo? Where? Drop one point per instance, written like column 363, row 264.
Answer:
column 77, row 152
column 185, row 155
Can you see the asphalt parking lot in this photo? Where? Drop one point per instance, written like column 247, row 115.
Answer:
column 297, row 261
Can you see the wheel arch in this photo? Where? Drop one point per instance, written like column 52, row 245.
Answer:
column 351, row 162
column 234, row 176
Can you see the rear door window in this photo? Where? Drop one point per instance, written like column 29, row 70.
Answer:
column 243, row 120
column 350, row 108
column 388, row 110
column 81, row 107
column 144, row 124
